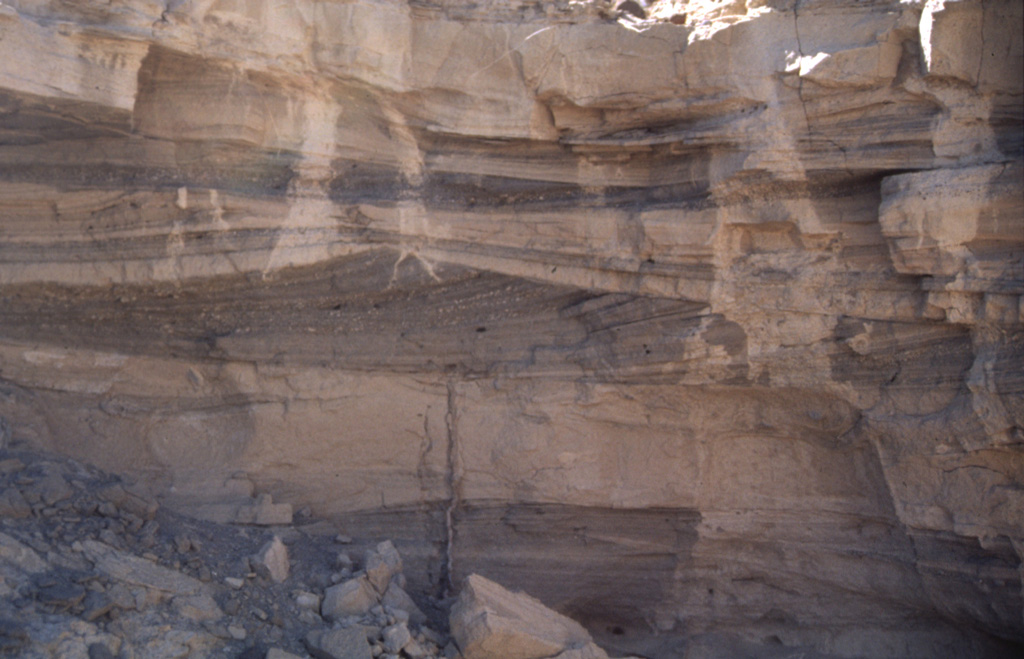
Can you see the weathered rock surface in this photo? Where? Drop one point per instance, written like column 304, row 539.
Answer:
column 684, row 317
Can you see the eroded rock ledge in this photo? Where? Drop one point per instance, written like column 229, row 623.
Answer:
column 708, row 314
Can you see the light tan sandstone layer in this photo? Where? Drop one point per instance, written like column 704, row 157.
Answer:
column 700, row 318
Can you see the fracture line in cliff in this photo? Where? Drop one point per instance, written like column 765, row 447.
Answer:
column 453, row 481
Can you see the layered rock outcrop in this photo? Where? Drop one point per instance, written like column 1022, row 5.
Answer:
column 695, row 318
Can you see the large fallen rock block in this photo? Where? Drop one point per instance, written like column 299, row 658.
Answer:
column 352, row 598
column 490, row 622
column 382, row 564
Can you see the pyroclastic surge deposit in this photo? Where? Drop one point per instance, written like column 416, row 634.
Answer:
column 698, row 322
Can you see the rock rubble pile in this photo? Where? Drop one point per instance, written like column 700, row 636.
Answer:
column 92, row 567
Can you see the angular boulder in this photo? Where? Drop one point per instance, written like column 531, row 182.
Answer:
column 491, row 622
column 272, row 560
column 351, row 598
column 382, row 564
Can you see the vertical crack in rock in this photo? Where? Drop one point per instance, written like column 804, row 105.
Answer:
column 423, row 471
column 800, row 92
column 453, row 480
column 981, row 51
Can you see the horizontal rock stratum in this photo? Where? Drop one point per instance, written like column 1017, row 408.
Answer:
column 683, row 317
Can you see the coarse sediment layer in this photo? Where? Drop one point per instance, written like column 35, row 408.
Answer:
column 688, row 318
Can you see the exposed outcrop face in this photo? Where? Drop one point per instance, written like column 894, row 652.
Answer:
column 682, row 317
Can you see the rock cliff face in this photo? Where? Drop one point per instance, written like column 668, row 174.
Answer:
column 686, row 318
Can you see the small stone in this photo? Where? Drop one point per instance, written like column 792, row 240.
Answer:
column 107, row 509
column 274, row 653
column 273, row 560
column 434, row 637
column 96, row 605
column 237, row 632
column 217, row 629
column 395, row 637
column 348, row 643
column 100, row 651
column 87, row 507
column 13, row 504
column 142, row 598
column 61, row 596
column 53, row 488
column 182, row 543
column 343, row 561
column 309, row 618
column 11, row 465
column 198, row 607
column 414, row 650
column 306, row 600
column 399, row 600
column 354, row 597
column 130, row 501
column 20, row 555
column 382, row 563
column 133, row 523
column 343, row 539
column 234, row 582
column 121, row 596
column 232, row 607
